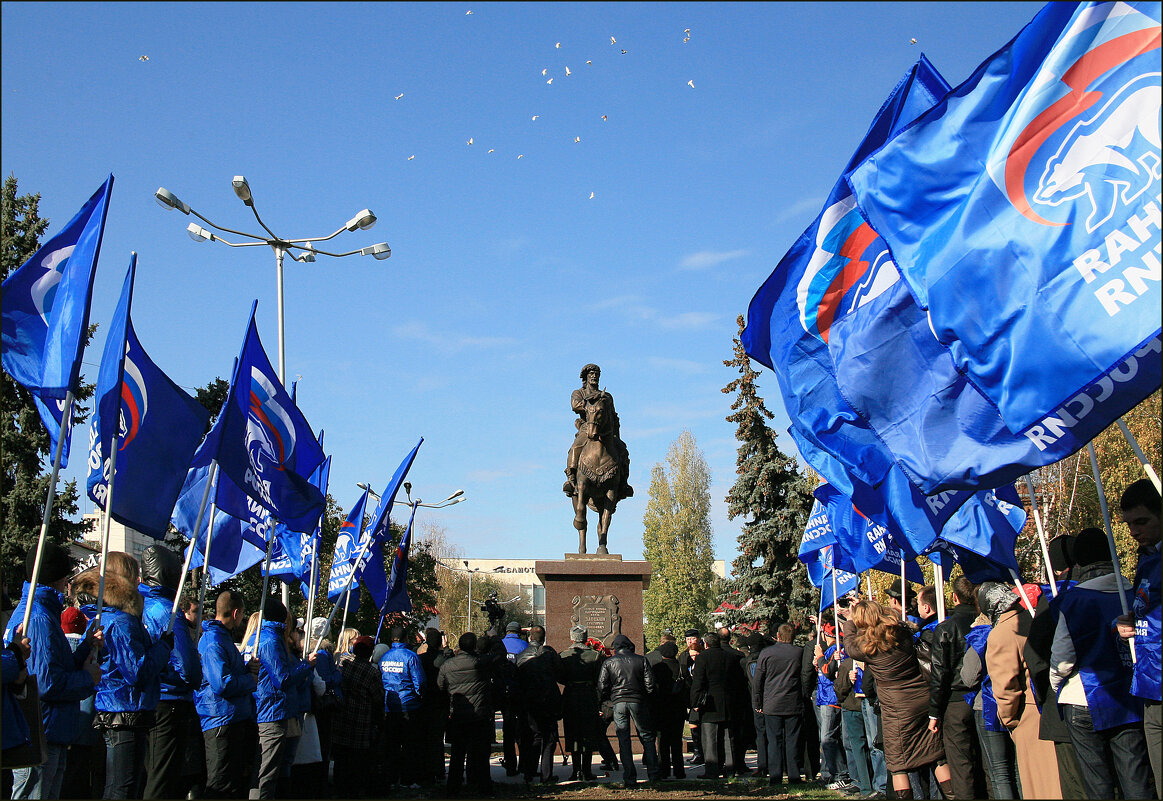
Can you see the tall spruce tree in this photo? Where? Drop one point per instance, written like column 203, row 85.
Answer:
column 770, row 493
column 24, row 443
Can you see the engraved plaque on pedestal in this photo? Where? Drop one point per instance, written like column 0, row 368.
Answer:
column 598, row 615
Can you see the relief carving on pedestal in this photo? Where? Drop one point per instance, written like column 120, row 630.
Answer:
column 598, row 615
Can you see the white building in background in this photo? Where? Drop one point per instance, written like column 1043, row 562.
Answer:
column 121, row 537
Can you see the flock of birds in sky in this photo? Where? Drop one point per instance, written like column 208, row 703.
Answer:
column 686, row 37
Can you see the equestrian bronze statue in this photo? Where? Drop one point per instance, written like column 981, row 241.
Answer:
column 598, row 467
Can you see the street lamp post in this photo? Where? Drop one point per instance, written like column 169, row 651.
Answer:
column 307, row 251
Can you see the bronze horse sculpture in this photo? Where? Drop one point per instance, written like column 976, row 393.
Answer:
column 599, row 482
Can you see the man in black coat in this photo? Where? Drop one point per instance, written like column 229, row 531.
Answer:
column 538, row 672
column 717, row 680
column 686, row 667
column 465, row 681
column 755, row 645
column 627, row 681
column 778, row 694
column 947, row 708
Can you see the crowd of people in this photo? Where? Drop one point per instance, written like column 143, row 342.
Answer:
column 1018, row 692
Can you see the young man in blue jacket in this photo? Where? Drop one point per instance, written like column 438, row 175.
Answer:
column 63, row 678
column 225, row 701
column 168, row 740
column 131, row 669
column 403, row 679
column 279, row 676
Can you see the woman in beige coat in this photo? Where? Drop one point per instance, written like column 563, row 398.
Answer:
column 1006, row 663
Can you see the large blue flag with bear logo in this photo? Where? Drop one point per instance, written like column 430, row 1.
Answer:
column 263, row 444
column 294, row 552
column 236, row 544
column 348, row 545
column 861, row 543
column 789, row 318
column 45, row 314
column 1023, row 211
column 154, row 423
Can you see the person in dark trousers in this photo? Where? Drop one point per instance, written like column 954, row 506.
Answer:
column 686, row 665
column 538, row 671
column 512, row 710
column 433, row 708
column 947, row 708
column 809, row 747
column 404, row 687
column 358, row 720
column 627, row 681
column 739, row 734
column 580, row 665
column 64, row 678
column 755, row 645
column 1140, row 509
column 668, row 709
column 717, row 678
column 224, row 702
column 168, row 739
column 777, row 693
column 464, row 678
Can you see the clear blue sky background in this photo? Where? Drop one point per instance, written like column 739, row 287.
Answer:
column 506, row 277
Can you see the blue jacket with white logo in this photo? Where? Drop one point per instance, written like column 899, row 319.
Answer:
column 183, row 674
column 403, row 678
column 1148, row 613
column 60, row 679
column 278, row 677
column 226, row 694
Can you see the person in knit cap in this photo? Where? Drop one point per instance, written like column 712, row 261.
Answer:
column 63, row 677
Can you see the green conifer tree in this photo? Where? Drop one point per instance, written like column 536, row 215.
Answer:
column 773, row 497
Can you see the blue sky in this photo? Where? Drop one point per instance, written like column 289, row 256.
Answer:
column 505, row 276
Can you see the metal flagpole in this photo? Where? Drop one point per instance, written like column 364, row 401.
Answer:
column 206, row 558
column 313, row 577
column 346, row 609
column 939, row 584
column 52, row 491
column 835, row 609
column 868, row 583
column 266, row 583
column 379, row 627
column 1042, row 537
column 1110, row 539
column 1134, row 443
column 190, row 551
column 1021, row 592
column 107, row 520
column 904, row 595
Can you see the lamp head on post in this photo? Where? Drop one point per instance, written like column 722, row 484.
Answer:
column 168, row 200
column 380, row 250
column 198, row 233
column 242, row 189
column 363, row 220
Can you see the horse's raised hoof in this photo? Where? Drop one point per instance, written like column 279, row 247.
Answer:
column 568, row 488
column 602, row 549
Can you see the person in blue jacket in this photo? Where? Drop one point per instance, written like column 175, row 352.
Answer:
column 168, row 740
column 63, row 677
column 403, row 679
column 1140, row 508
column 13, row 674
column 225, row 700
column 279, row 677
column 131, row 669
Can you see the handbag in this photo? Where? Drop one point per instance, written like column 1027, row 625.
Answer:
column 35, row 751
column 308, row 751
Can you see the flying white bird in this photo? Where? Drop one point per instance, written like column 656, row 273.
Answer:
column 691, row 84
column 411, row 157
column 399, row 95
column 912, row 41
column 590, row 63
column 468, row 12
column 591, row 195
column 603, row 118
column 613, row 40
column 576, row 139
column 520, row 155
column 544, row 72
column 535, row 116
column 143, row 58
column 492, row 150
column 567, row 72
column 550, row 81
column 469, row 142
column 558, row 45
column 624, row 52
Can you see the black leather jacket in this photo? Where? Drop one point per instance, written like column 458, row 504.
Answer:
column 625, row 676
column 948, row 653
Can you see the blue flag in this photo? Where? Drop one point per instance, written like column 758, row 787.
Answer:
column 398, row 600
column 863, row 544
column 981, row 536
column 294, row 552
column 156, row 424
column 834, row 265
column 1023, row 211
column 348, row 545
column 236, row 544
column 45, row 314
column 824, row 568
column 381, row 519
column 263, row 444
column 817, row 534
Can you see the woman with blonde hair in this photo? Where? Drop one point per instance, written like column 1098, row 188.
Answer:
column 875, row 636
column 347, row 639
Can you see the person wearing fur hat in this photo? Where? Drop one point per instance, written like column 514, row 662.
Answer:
column 131, row 669
column 169, row 737
column 63, row 677
column 1091, row 671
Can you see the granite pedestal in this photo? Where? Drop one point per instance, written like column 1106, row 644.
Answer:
column 600, row 592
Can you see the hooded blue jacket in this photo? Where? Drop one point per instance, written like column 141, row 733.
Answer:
column 226, row 695
column 60, row 679
column 403, row 678
column 183, row 675
column 15, row 731
column 132, row 666
column 279, row 676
